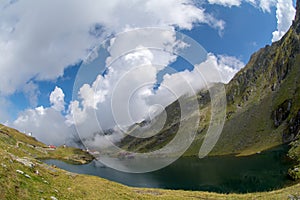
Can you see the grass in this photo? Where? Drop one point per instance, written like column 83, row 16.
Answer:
column 48, row 181
column 18, row 143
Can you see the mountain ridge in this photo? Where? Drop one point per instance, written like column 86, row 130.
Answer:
column 263, row 107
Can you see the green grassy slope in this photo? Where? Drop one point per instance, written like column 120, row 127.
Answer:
column 263, row 105
column 14, row 142
column 261, row 100
column 22, row 176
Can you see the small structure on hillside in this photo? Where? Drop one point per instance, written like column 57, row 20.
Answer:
column 52, row 146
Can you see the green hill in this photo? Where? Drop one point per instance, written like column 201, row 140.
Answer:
column 24, row 176
column 263, row 105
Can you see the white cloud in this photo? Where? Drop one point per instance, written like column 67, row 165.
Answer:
column 285, row 14
column 46, row 124
column 114, row 101
column 128, row 89
column 40, row 43
column 31, row 91
column 228, row 3
column 163, row 39
column 216, row 68
column 266, row 5
column 118, row 87
column 57, row 99
column 130, row 65
column 125, row 95
column 228, row 66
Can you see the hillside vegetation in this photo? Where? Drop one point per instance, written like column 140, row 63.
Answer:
column 23, row 176
column 263, row 105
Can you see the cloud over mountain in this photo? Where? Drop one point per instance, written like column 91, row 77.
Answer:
column 39, row 39
column 39, row 44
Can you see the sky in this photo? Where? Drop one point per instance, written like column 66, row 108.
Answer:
column 70, row 66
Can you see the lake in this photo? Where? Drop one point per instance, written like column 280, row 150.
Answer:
column 260, row 172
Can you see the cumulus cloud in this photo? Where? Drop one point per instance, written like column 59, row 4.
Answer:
column 285, row 14
column 216, row 68
column 228, row 66
column 131, row 73
column 57, row 99
column 266, row 5
column 128, row 81
column 46, row 124
column 228, row 3
column 120, row 98
column 125, row 94
column 40, row 43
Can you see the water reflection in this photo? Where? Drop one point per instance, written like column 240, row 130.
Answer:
column 260, row 172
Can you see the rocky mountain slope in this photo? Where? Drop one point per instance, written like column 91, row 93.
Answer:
column 263, row 105
column 263, row 98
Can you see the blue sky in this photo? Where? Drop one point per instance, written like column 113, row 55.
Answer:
column 43, row 54
column 247, row 29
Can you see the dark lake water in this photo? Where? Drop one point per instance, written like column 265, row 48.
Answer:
column 260, row 172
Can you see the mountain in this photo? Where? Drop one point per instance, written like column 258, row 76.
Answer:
column 263, row 105
column 263, row 98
